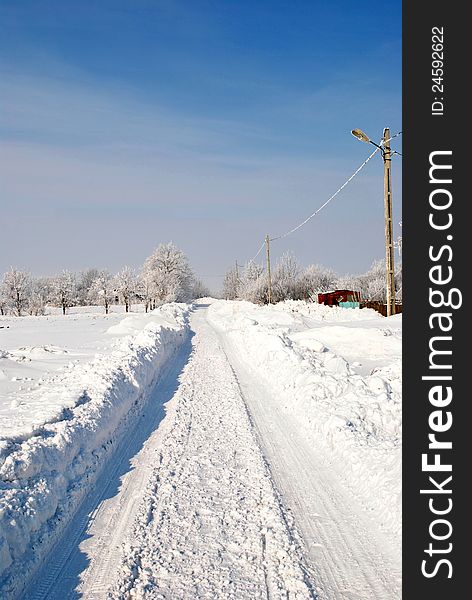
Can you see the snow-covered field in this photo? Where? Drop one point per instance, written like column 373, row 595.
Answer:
column 225, row 450
column 38, row 351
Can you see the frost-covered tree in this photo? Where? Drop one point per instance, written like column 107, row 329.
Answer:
column 200, row 290
column 84, row 283
column 145, row 289
column 373, row 283
column 41, row 293
column 399, row 283
column 252, row 271
column 102, row 289
column 315, row 279
column 126, row 284
column 254, row 286
column 167, row 275
column 64, row 289
column 231, row 284
column 3, row 301
column 285, row 277
column 289, row 281
column 16, row 290
column 398, row 243
column 257, row 291
column 349, row 282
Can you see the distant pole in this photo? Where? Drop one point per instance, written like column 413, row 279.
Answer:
column 389, row 249
column 269, row 279
column 237, row 272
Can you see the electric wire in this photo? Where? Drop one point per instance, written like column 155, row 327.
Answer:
column 287, row 233
column 300, row 225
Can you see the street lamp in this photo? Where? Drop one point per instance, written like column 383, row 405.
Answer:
column 389, row 248
column 360, row 135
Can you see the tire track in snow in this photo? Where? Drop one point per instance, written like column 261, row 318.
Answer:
column 210, row 525
column 349, row 560
column 292, row 530
column 96, row 531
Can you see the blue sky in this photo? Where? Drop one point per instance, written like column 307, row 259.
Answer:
column 125, row 123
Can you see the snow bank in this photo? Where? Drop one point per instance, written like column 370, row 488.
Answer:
column 36, row 352
column 313, row 367
column 44, row 475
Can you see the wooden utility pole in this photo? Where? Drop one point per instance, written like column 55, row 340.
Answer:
column 269, row 278
column 389, row 250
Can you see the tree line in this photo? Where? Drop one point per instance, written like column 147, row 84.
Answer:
column 289, row 281
column 166, row 276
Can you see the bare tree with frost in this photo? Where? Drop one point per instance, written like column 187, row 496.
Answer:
column 3, row 301
column 315, row 279
column 252, row 271
column 399, row 282
column 285, row 278
column 145, row 289
column 102, row 289
column 231, row 284
column 126, row 285
column 289, row 281
column 17, row 290
column 200, row 290
column 65, row 290
column 84, row 283
column 167, row 275
column 41, row 293
column 372, row 284
column 253, row 285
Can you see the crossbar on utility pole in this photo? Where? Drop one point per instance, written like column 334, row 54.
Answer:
column 389, row 249
column 269, row 279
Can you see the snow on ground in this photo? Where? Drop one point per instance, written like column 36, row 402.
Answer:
column 274, row 474
column 210, row 525
column 37, row 351
column 69, row 424
column 338, row 372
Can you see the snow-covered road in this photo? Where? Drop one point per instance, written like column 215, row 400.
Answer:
column 348, row 556
column 221, row 499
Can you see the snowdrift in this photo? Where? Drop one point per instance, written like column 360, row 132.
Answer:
column 355, row 416
column 44, row 476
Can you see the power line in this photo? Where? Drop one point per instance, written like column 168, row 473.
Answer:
column 338, row 190
column 393, row 136
column 258, row 252
column 287, row 233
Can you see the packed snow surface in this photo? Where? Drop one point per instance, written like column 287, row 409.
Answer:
column 211, row 525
